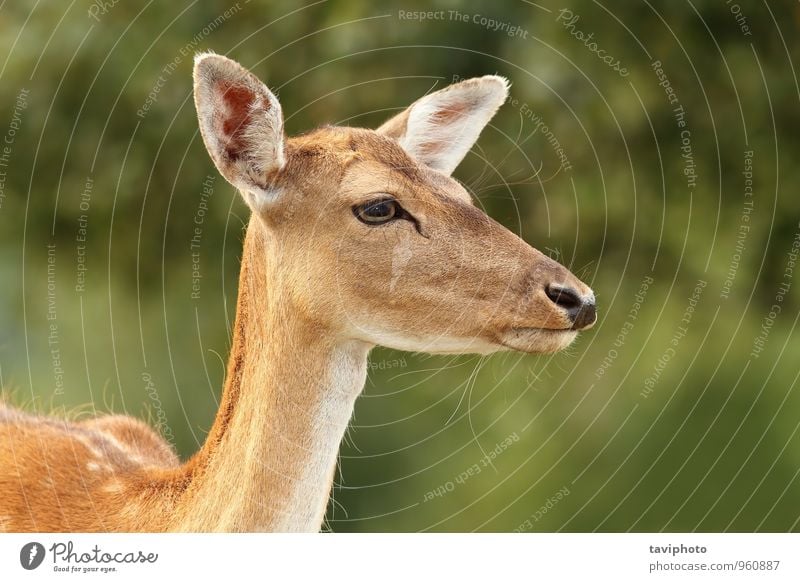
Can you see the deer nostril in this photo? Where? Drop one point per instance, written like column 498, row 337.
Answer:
column 564, row 297
column 582, row 312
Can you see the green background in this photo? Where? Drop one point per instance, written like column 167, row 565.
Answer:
column 712, row 446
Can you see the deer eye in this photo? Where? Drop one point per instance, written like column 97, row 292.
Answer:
column 378, row 211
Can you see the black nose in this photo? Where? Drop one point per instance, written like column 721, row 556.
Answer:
column 581, row 311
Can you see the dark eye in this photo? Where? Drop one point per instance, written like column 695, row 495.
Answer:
column 378, row 211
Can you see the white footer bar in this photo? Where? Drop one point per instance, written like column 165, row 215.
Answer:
column 388, row 557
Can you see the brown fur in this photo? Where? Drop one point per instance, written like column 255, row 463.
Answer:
column 317, row 290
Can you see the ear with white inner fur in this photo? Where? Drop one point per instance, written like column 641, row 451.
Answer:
column 439, row 129
column 242, row 126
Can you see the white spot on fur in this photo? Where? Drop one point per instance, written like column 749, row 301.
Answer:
column 113, row 487
column 86, row 442
column 401, row 255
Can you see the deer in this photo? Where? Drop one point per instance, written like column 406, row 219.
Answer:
column 357, row 238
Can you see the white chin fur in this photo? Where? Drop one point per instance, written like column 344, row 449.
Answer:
column 531, row 340
column 543, row 341
column 430, row 344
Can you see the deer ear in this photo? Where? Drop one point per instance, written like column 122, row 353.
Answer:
column 242, row 126
column 439, row 129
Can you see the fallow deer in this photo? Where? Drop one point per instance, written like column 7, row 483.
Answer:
column 357, row 238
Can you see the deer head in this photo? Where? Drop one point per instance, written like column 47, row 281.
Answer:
column 368, row 235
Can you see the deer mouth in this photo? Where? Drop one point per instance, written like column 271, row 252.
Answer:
column 537, row 340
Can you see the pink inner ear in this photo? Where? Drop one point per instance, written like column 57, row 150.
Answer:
column 441, row 118
column 238, row 112
column 450, row 114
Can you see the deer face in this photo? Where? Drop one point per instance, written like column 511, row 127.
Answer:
column 369, row 234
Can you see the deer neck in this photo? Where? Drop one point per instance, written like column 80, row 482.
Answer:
column 270, row 458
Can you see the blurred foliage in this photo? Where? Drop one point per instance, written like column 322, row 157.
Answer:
column 714, row 446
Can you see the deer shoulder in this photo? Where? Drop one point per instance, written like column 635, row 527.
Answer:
column 77, row 476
